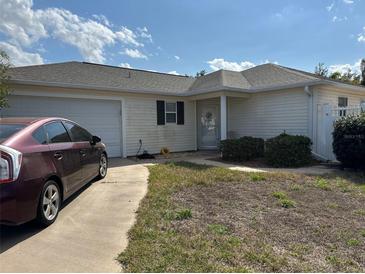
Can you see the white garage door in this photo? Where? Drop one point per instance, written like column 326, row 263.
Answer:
column 100, row 117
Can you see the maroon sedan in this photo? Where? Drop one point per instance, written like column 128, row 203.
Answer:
column 42, row 162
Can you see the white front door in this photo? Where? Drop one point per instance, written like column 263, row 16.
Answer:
column 208, row 127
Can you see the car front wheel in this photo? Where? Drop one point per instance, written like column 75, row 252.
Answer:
column 103, row 166
column 49, row 203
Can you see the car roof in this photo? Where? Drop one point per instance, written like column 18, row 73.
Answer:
column 25, row 120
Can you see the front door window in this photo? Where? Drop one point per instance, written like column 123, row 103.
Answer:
column 209, row 128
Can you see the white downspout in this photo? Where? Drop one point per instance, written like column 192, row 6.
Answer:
column 223, row 105
column 310, row 115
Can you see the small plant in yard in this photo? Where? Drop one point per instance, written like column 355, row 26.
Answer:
column 322, row 184
column 279, row 195
column 183, row 214
column 255, row 177
column 353, row 242
column 342, row 185
column 283, row 199
column 333, row 205
column 287, row 203
column 296, row 187
column 218, row 229
column 360, row 212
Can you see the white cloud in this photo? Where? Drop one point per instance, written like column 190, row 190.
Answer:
column 220, row 63
column 330, row 7
column 342, row 68
column 24, row 26
column 88, row 36
column 127, row 36
column 18, row 57
column 20, row 23
column 174, row 72
column 349, row 2
column 143, row 32
column 103, row 19
column 134, row 53
column 177, row 57
column 339, row 19
column 125, row 65
column 361, row 36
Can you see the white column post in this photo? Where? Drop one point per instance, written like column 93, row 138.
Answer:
column 223, row 117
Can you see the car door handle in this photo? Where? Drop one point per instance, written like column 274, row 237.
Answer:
column 58, row 155
column 83, row 152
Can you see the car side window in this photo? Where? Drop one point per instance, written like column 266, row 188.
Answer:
column 57, row 133
column 40, row 136
column 78, row 134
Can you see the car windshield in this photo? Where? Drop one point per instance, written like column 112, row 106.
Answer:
column 6, row 130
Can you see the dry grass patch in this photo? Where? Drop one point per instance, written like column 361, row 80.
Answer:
column 205, row 219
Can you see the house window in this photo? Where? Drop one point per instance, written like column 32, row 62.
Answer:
column 342, row 103
column 170, row 112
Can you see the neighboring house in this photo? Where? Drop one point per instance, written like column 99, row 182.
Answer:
column 124, row 106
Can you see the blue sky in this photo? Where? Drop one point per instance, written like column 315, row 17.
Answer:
column 185, row 36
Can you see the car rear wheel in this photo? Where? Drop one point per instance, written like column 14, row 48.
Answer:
column 103, row 166
column 49, row 203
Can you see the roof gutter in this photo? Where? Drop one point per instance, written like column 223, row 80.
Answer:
column 76, row 86
column 186, row 93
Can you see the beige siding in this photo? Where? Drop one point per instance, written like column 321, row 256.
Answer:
column 141, row 123
column 268, row 114
column 329, row 95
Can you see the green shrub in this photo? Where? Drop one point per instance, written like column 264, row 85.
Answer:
column 288, row 151
column 349, row 141
column 242, row 149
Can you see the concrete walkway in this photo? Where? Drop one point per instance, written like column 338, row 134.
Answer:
column 91, row 230
column 311, row 170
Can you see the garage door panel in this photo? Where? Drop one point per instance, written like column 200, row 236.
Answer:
column 100, row 117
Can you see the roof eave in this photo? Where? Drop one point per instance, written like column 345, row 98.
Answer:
column 344, row 85
column 286, row 86
column 99, row 88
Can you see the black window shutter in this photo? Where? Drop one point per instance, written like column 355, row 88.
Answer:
column 180, row 113
column 160, row 112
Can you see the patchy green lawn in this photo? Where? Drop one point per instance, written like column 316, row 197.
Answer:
column 207, row 219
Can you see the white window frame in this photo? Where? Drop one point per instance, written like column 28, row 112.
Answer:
column 170, row 102
column 342, row 112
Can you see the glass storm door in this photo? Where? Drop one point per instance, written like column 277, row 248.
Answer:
column 208, row 127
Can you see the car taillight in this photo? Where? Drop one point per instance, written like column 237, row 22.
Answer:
column 10, row 163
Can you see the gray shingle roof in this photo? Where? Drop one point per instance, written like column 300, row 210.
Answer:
column 269, row 75
column 94, row 75
column 81, row 74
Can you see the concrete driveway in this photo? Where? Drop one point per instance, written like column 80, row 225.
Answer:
column 91, row 229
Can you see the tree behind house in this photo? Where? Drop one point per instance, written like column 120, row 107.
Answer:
column 4, row 89
column 200, row 73
column 321, row 70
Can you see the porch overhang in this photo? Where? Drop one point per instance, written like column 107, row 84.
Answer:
column 218, row 94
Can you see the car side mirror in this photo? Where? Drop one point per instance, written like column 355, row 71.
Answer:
column 95, row 140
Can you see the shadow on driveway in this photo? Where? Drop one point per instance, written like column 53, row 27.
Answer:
column 12, row 235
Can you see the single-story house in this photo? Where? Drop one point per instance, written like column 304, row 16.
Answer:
column 128, row 106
